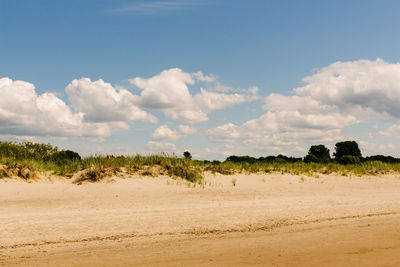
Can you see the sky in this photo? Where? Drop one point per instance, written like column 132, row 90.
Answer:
column 214, row 77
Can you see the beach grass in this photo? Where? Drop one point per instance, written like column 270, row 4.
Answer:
column 23, row 159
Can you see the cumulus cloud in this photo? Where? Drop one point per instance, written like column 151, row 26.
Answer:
column 169, row 92
column 226, row 133
column 165, row 90
column 209, row 101
column 165, row 133
column 24, row 112
column 391, row 130
column 337, row 96
column 362, row 86
column 101, row 102
column 97, row 106
column 187, row 130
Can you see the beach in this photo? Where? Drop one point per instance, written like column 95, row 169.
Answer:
column 237, row 220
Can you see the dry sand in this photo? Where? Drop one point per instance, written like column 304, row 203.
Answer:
column 266, row 220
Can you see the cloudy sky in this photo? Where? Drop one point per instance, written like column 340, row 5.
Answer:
column 214, row 77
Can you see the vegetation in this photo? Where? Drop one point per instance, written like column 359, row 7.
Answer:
column 28, row 159
column 318, row 153
column 346, row 148
column 187, row 155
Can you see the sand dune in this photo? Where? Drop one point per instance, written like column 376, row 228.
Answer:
column 264, row 220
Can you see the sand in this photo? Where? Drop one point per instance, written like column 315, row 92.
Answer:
column 265, row 220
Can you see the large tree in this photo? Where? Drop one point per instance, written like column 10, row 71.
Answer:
column 347, row 148
column 318, row 153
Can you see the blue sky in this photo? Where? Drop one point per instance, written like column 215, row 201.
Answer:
column 236, row 45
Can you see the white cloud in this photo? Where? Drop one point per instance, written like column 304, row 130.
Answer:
column 101, row 102
column 390, row 131
column 209, row 101
column 204, row 78
column 17, row 138
column 252, row 90
column 169, row 92
column 96, row 106
column 165, row 90
column 226, row 133
column 187, row 130
column 160, row 146
column 191, row 116
column 362, row 87
column 23, row 112
column 335, row 97
column 165, row 133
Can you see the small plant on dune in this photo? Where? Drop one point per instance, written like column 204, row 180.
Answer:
column 234, row 182
column 186, row 173
column 93, row 175
column 3, row 173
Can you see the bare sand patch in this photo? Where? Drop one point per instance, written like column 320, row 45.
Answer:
column 258, row 219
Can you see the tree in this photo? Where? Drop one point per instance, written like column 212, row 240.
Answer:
column 318, row 153
column 187, row 155
column 346, row 148
column 348, row 159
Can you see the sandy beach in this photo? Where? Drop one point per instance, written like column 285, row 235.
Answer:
column 265, row 220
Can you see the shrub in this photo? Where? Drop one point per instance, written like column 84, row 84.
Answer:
column 62, row 157
column 185, row 173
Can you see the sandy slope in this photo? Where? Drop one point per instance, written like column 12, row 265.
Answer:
column 265, row 220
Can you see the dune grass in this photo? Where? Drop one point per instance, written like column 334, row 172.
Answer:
column 21, row 159
column 192, row 170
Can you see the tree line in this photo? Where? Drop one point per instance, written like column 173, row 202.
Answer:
column 346, row 152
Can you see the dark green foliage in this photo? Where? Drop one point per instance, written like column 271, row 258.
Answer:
column 269, row 159
column 236, row 159
column 3, row 173
column 318, row 153
column 66, row 155
column 37, row 152
column 381, row 158
column 345, row 148
column 311, row 158
column 348, row 159
column 187, row 155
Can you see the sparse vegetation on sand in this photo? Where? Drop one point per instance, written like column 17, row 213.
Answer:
column 26, row 160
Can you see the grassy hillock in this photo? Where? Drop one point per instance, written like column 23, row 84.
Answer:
column 27, row 159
